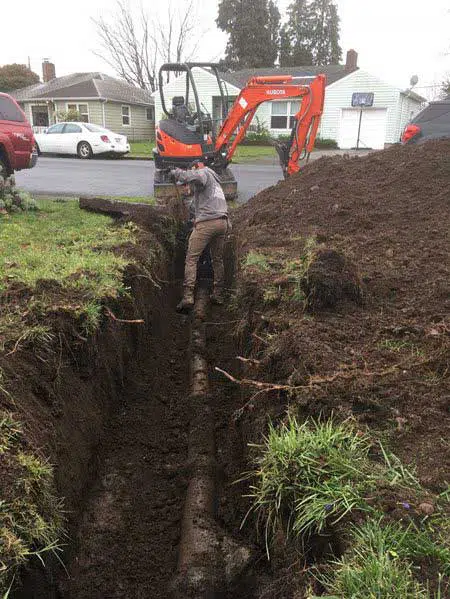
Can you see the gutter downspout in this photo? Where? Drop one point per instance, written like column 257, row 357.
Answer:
column 103, row 102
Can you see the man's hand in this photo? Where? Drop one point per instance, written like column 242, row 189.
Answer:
column 173, row 174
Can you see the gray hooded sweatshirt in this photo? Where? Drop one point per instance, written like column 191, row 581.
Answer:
column 209, row 200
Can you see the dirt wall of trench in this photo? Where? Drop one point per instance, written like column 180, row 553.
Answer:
column 65, row 393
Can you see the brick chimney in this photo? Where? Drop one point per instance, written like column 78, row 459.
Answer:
column 48, row 70
column 351, row 64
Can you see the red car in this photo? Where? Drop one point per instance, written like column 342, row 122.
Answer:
column 17, row 145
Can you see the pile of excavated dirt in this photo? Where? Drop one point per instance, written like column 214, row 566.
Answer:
column 378, row 352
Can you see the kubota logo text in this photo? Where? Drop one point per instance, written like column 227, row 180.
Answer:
column 276, row 92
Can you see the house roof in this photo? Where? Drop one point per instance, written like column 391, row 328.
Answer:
column 84, row 86
column 333, row 73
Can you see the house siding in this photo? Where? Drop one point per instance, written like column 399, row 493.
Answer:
column 339, row 96
column 94, row 109
column 139, row 129
column 110, row 118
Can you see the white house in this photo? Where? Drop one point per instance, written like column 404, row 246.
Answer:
column 381, row 124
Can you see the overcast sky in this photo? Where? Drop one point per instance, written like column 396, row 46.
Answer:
column 394, row 38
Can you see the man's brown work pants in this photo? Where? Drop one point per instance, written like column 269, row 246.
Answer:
column 206, row 232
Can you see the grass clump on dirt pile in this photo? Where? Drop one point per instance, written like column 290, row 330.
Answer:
column 318, row 477
column 380, row 564
column 31, row 518
column 309, row 476
column 59, row 257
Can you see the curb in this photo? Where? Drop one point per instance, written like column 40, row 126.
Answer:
column 147, row 158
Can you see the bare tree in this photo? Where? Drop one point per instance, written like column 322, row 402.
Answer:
column 134, row 46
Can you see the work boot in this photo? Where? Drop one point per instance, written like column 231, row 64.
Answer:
column 217, row 297
column 187, row 302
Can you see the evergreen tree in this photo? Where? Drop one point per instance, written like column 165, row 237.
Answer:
column 325, row 46
column 295, row 42
column 311, row 34
column 253, row 30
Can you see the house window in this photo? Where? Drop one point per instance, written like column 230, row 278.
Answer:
column 126, row 116
column 151, row 113
column 82, row 109
column 283, row 114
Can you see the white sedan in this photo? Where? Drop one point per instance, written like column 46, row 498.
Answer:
column 82, row 139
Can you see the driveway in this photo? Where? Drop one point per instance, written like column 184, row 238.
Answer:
column 74, row 177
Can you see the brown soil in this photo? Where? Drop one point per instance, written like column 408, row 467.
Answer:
column 384, row 360
column 127, row 541
column 349, row 308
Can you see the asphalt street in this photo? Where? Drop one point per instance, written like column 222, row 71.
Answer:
column 75, row 177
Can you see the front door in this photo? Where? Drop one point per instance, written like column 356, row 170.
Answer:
column 39, row 115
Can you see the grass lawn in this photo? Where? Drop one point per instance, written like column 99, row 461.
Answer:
column 69, row 247
column 142, row 149
column 243, row 153
column 253, row 153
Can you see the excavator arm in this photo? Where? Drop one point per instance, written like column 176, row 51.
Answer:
column 267, row 89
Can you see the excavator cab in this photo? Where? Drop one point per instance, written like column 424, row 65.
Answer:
column 187, row 131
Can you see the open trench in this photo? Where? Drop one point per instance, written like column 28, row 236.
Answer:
column 153, row 507
column 127, row 540
column 148, row 523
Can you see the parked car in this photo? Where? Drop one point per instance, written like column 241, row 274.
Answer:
column 432, row 122
column 17, row 145
column 82, row 139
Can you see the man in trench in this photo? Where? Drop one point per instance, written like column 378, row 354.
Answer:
column 211, row 226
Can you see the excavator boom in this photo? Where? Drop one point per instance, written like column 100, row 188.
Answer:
column 265, row 89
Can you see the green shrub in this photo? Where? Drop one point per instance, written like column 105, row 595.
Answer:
column 69, row 115
column 320, row 143
column 325, row 144
column 13, row 200
column 258, row 134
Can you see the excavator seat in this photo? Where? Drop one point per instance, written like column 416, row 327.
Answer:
column 180, row 111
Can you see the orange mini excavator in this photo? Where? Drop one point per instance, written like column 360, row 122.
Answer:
column 189, row 132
